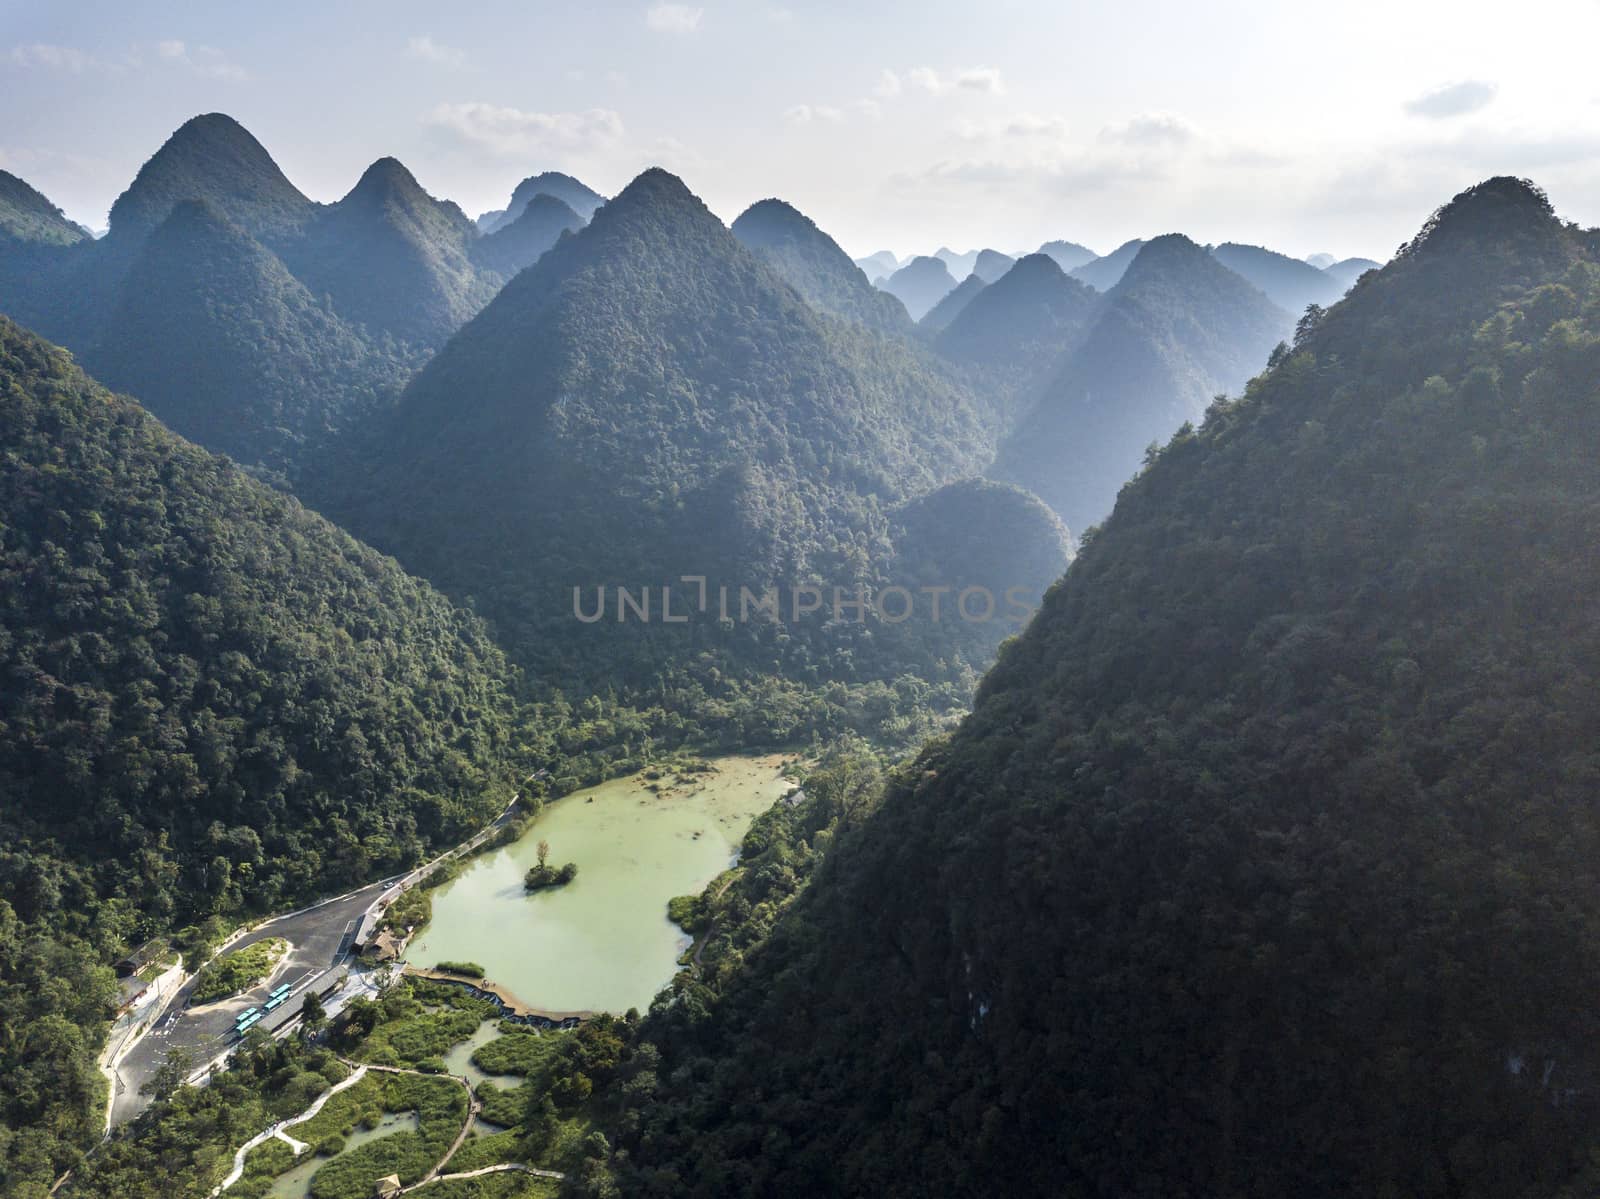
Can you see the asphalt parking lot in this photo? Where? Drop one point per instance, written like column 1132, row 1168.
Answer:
column 320, row 937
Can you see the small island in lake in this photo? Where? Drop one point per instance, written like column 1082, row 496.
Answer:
column 544, row 875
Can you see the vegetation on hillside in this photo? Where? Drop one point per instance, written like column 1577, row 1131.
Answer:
column 1177, row 330
column 1266, row 863
column 238, row 970
column 217, row 704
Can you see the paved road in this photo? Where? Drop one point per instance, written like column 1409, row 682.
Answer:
column 320, row 936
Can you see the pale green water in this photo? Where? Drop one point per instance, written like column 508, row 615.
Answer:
column 459, row 1060
column 603, row 942
column 296, row 1183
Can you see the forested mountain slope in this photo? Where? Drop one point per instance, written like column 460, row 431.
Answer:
column 1018, row 331
column 317, row 314
column 1178, row 329
column 229, row 349
column 215, row 703
column 575, row 194
column 1269, row 861
column 215, row 159
column 394, row 259
column 1106, row 272
column 519, row 243
column 938, row 318
column 648, row 401
column 814, row 265
column 26, row 216
column 1289, row 283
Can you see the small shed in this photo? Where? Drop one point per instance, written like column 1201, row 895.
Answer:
column 389, row 1185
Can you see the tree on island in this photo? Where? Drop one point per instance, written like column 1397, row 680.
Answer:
column 544, row 875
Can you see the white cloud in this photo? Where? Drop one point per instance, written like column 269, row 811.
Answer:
column 981, row 79
column 513, row 132
column 888, row 85
column 425, row 49
column 969, row 79
column 673, row 18
column 206, row 61
column 1020, row 125
column 804, row 114
column 55, row 58
column 1452, row 100
column 1151, row 130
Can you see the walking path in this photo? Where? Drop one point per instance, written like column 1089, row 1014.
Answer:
column 502, row 1168
column 237, row 1172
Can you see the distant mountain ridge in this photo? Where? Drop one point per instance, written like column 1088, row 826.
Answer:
column 1176, row 330
column 1289, row 283
column 359, row 292
column 232, row 350
column 1104, row 273
column 920, row 284
column 1271, row 842
column 576, row 195
column 812, row 262
column 651, row 397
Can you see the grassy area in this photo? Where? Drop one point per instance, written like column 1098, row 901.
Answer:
column 495, row 1186
column 441, row 1107
column 160, row 962
column 465, row 969
column 488, row 1150
column 504, row 1106
column 239, row 970
column 420, row 1022
column 518, row 1050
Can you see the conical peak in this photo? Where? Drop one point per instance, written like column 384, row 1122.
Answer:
column 1499, row 209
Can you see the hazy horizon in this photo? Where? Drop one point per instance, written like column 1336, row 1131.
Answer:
column 904, row 128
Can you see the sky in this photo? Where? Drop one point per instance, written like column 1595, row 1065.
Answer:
column 894, row 125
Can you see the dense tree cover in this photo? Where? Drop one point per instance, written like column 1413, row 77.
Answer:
column 521, row 242
column 1289, row 283
column 394, row 259
column 1019, row 330
column 1106, row 272
column 569, row 1083
column 575, row 194
column 184, row 1145
column 260, row 340
column 215, row 703
column 1177, row 330
column 28, row 217
column 218, row 339
column 1266, row 863
column 813, row 264
column 920, row 284
column 650, row 401
column 214, row 159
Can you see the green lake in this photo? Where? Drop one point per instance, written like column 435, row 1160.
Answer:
column 603, row 942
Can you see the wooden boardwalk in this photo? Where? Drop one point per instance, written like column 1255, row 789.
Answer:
column 508, row 1003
